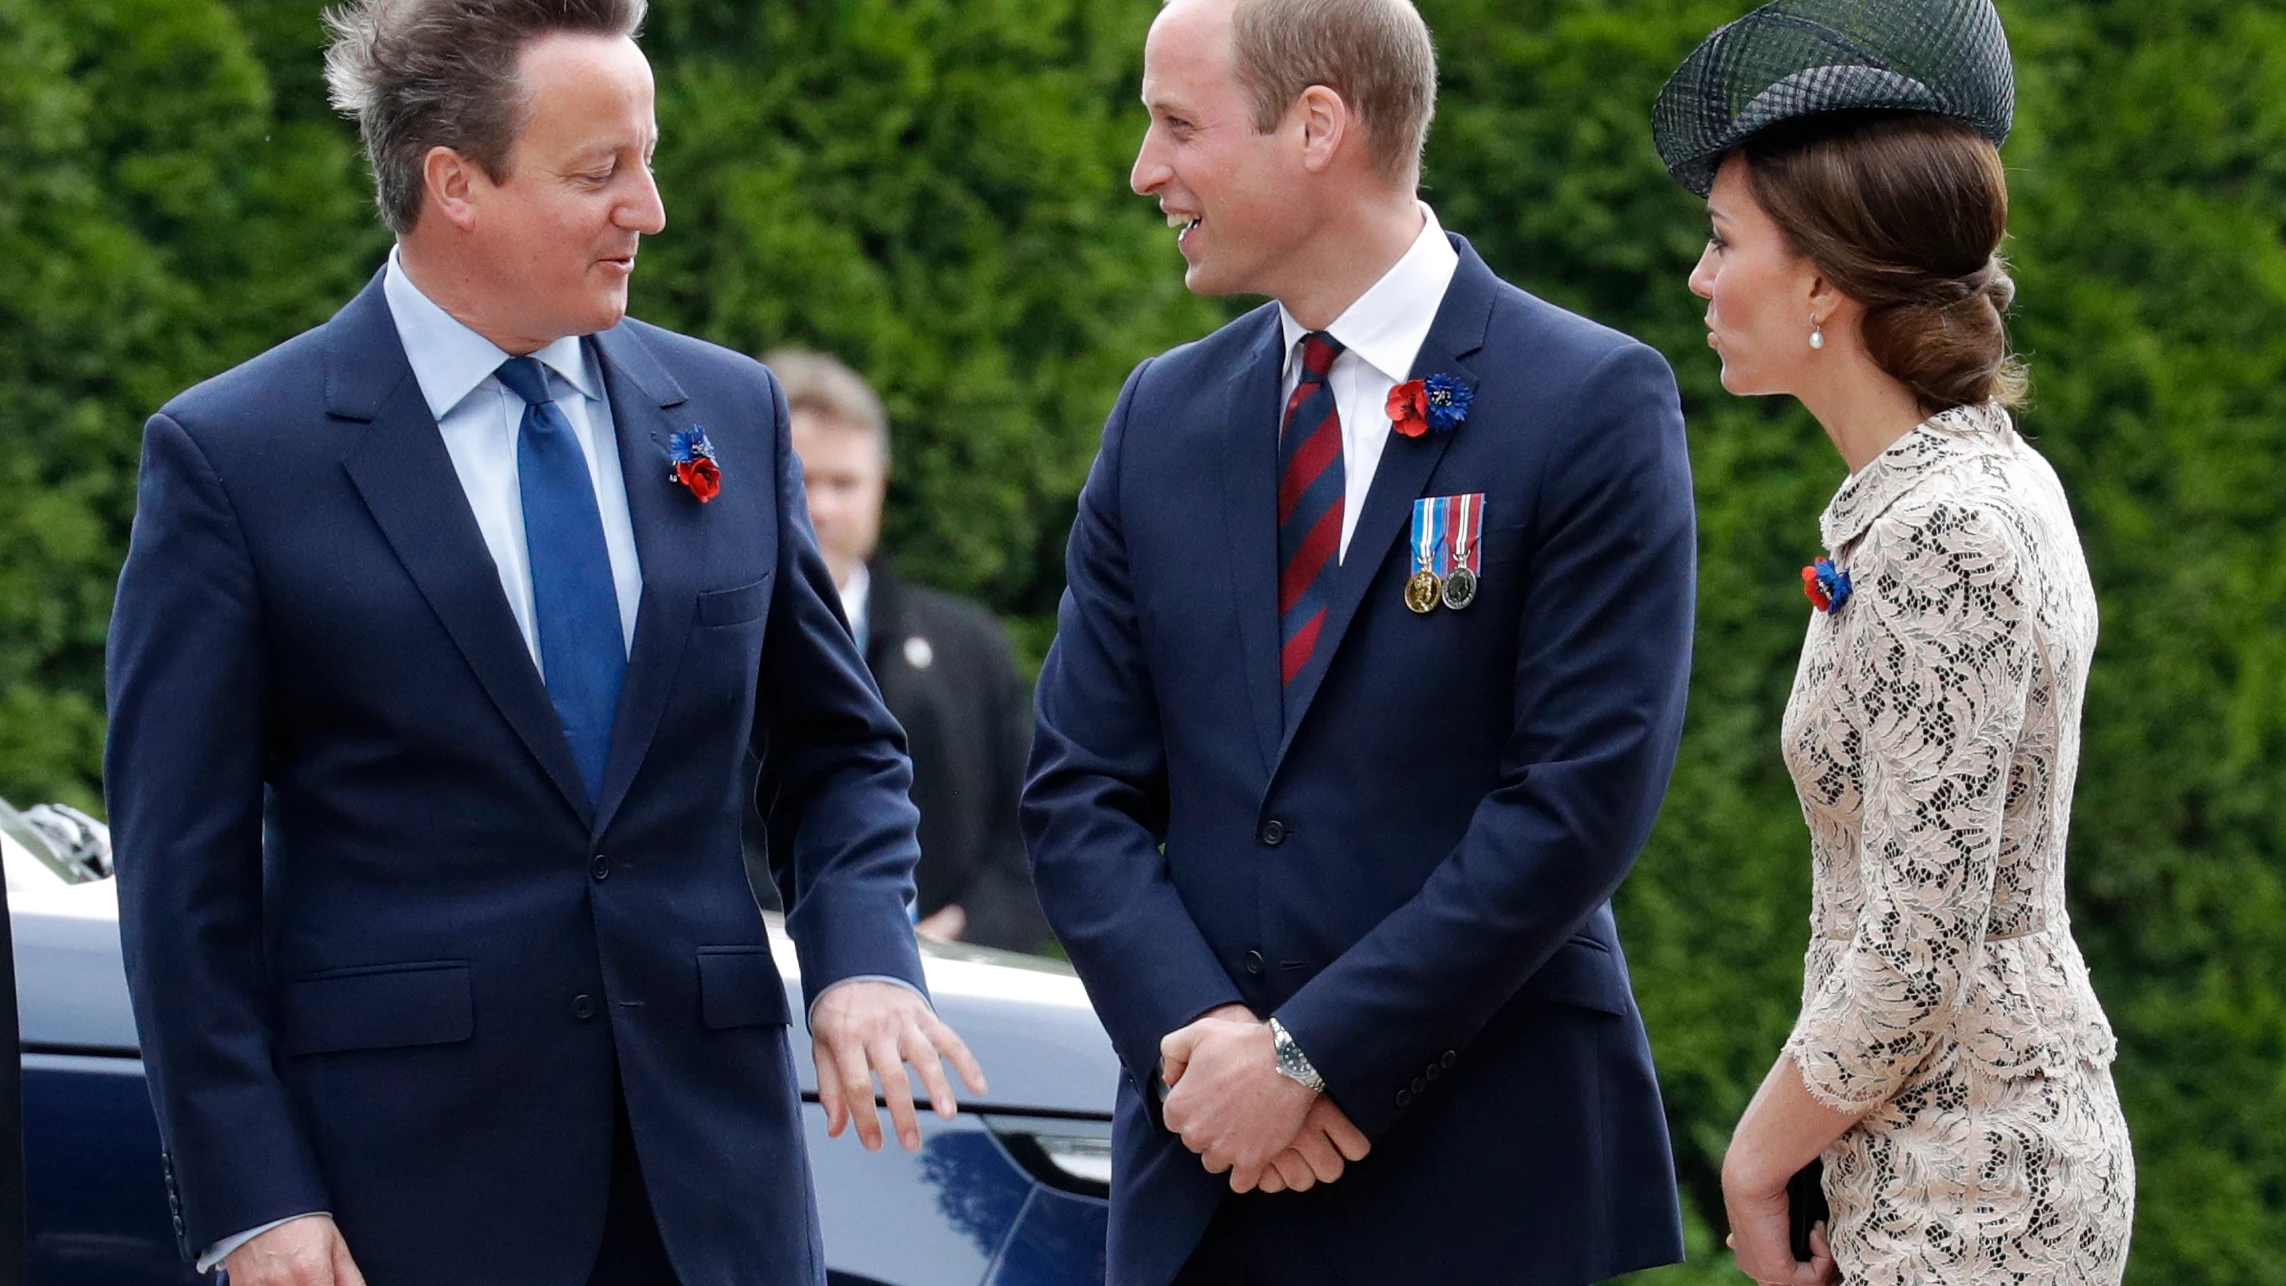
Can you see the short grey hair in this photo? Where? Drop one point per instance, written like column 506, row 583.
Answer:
column 826, row 386
column 1376, row 54
column 422, row 74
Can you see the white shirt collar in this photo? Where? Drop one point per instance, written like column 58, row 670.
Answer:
column 1388, row 324
column 449, row 360
column 855, row 599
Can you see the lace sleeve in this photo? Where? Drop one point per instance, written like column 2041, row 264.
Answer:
column 1936, row 665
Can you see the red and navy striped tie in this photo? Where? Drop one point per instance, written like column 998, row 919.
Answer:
column 1311, row 484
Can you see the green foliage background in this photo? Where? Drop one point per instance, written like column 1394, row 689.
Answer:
column 936, row 189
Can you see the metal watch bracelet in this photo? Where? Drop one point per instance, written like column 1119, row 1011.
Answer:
column 1292, row 1062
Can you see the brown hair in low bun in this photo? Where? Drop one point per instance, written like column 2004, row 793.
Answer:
column 1904, row 213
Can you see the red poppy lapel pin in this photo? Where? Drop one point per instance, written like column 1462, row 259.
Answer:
column 1437, row 404
column 694, row 463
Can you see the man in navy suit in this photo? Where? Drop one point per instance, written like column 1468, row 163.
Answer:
column 443, row 631
column 1364, row 699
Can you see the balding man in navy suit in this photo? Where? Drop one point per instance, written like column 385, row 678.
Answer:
column 1368, row 685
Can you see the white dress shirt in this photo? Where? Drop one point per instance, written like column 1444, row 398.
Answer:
column 856, row 602
column 1381, row 335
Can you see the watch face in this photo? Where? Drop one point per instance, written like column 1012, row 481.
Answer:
column 1293, row 1064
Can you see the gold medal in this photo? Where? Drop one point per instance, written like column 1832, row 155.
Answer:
column 1460, row 589
column 1424, row 592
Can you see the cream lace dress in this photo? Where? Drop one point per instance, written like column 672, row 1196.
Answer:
column 1933, row 734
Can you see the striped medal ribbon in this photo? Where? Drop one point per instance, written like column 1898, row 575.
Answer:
column 1426, row 588
column 1465, row 532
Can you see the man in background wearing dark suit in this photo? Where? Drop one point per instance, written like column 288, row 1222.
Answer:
column 946, row 668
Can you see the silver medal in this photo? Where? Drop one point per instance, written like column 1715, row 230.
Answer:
column 1460, row 588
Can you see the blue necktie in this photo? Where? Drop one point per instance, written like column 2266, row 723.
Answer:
column 575, row 607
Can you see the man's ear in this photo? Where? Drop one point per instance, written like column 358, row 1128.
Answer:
column 450, row 181
column 1326, row 121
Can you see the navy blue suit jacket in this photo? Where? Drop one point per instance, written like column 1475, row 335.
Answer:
column 387, row 956
column 1417, row 879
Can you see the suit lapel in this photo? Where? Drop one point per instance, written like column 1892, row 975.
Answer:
column 1405, row 468
column 670, row 539
column 1250, row 517
column 401, row 469
column 884, row 613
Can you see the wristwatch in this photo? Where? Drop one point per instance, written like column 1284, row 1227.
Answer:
column 1292, row 1062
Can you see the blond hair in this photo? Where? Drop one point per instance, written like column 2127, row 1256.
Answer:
column 1376, row 54
column 825, row 386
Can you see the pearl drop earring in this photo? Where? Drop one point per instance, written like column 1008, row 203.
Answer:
column 1817, row 335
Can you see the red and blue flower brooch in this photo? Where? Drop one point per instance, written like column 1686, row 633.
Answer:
column 1826, row 585
column 1438, row 404
column 694, row 463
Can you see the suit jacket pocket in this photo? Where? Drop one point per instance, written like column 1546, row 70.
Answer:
column 740, row 987
column 734, row 606
column 1581, row 974
column 378, row 1007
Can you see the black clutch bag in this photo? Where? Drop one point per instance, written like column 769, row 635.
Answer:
column 1806, row 1206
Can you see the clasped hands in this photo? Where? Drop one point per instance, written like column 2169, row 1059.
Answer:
column 1229, row 1103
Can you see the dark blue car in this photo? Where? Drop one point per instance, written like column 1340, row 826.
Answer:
column 1010, row 1194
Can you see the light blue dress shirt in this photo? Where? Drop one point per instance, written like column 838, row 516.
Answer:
column 479, row 420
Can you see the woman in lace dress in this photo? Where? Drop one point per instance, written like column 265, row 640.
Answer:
column 1951, row 1062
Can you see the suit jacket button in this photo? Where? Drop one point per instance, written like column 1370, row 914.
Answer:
column 1434, row 1071
column 1404, row 1098
column 1273, row 832
column 583, row 1007
column 600, row 868
column 1420, row 1086
column 1254, row 963
column 1450, row 1058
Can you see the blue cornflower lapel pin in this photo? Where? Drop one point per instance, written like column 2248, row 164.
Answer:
column 1438, row 404
column 1826, row 585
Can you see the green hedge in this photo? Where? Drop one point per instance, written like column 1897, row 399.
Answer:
column 937, row 189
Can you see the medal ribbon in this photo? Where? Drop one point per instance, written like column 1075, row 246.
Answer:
column 1428, row 537
column 1468, row 531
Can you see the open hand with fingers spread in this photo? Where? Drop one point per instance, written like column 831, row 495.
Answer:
column 307, row 1251
column 863, row 1029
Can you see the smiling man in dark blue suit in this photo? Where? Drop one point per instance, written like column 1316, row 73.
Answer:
column 442, row 634
column 1364, row 699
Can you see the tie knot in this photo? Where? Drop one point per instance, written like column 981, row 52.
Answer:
column 1318, row 353
column 527, row 379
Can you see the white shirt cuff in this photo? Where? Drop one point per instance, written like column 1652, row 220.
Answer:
column 866, row 977
column 222, row 1249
